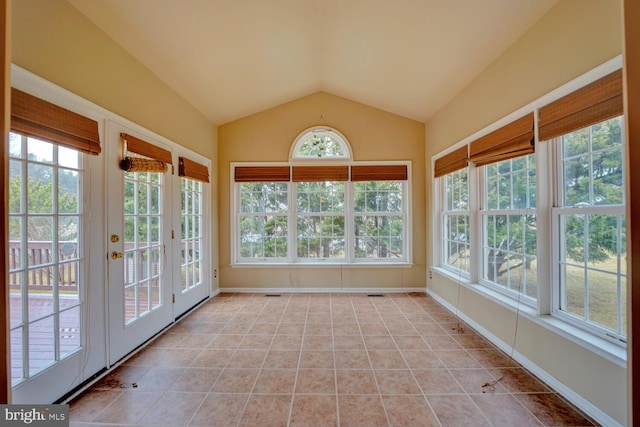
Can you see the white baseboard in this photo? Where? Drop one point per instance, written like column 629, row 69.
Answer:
column 321, row 290
column 589, row 408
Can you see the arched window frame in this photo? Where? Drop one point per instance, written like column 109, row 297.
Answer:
column 327, row 131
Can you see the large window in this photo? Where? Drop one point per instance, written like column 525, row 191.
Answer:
column 591, row 221
column 509, row 225
column 379, row 219
column 455, row 221
column 263, row 221
column 321, row 207
column 320, row 220
column 315, row 220
column 547, row 224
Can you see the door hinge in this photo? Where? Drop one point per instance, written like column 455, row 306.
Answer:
column 174, row 298
column 173, row 234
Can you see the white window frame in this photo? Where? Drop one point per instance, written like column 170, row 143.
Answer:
column 560, row 209
column 444, row 214
column 545, row 311
column 485, row 212
column 292, row 258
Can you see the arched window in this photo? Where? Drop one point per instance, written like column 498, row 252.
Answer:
column 320, row 142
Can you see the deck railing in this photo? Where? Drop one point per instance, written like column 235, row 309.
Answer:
column 40, row 266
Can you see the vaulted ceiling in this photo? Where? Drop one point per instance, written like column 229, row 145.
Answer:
column 233, row 58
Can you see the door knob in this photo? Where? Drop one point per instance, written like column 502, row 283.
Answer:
column 116, row 255
column 115, row 238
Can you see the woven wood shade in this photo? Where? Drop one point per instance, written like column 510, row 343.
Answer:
column 40, row 119
column 601, row 100
column 452, row 162
column 320, row 173
column 379, row 173
column 513, row 140
column 261, row 173
column 138, row 164
column 193, row 170
column 144, row 148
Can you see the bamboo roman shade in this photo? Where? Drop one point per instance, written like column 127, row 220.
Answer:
column 261, row 173
column 320, row 173
column 192, row 170
column 513, row 140
column 144, row 148
column 379, row 173
column 451, row 162
column 593, row 103
column 41, row 119
column 155, row 158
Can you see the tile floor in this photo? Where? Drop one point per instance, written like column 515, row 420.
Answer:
column 321, row 360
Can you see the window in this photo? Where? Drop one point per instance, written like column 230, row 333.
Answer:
column 320, row 220
column 591, row 221
column 509, row 226
column 379, row 219
column 321, row 207
column 549, row 216
column 320, row 142
column 263, row 221
column 455, row 221
column 332, row 220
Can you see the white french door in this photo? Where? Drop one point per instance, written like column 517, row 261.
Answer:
column 191, row 244
column 140, row 258
column 54, row 273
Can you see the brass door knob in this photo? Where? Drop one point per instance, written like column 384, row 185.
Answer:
column 116, row 255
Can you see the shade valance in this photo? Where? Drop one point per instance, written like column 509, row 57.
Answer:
column 41, row 119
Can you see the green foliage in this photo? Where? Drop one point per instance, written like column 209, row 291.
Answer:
column 320, row 224
column 40, row 196
column 593, row 167
column 320, row 146
column 142, row 206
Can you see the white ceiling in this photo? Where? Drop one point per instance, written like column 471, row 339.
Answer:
column 232, row 58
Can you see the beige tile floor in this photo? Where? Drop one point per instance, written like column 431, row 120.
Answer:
column 321, row 360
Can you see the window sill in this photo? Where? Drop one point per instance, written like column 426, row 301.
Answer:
column 605, row 348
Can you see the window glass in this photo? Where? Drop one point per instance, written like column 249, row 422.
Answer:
column 320, row 219
column 263, row 221
column 592, row 245
column 378, row 220
column 455, row 232
column 509, row 226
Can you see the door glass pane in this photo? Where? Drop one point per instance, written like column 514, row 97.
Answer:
column 143, row 242
column 45, row 247
column 191, row 239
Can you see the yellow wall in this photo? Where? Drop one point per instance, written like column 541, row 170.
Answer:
column 373, row 135
column 572, row 38
column 54, row 41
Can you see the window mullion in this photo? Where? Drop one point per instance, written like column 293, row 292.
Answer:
column 477, row 202
column 292, row 221
column 349, row 222
column 545, row 195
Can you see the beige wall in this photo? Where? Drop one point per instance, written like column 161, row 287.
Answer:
column 373, row 135
column 574, row 37
column 53, row 40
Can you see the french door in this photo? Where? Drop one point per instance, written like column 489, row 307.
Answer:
column 191, row 246
column 54, row 275
column 138, row 249
column 156, row 240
